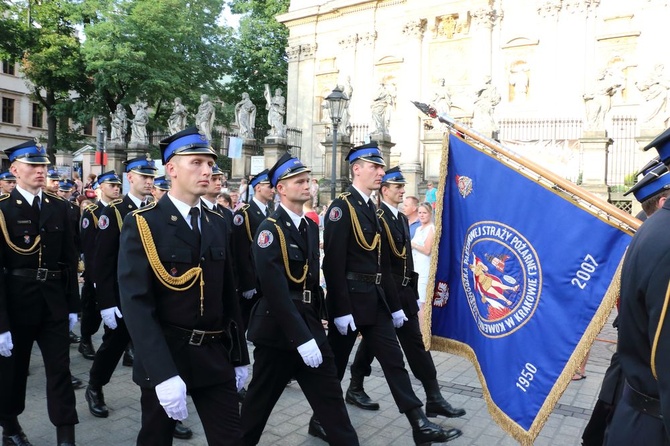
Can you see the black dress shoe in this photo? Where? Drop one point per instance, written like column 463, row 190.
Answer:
column 426, row 432
column 76, row 383
column 316, row 430
column 19, row 439
column 74, row 339
column 360, row 399
column 96, row 402
column 435, row 408
column 129, row 357
column 87, row 350
column 182, row 432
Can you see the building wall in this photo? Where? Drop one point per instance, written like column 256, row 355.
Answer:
column 542, row 57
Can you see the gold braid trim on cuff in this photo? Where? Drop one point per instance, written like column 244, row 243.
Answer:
column 22, row 251
column 170, row 282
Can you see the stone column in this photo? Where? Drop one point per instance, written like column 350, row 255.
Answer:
column 272, row 153
column 242, row 166
column 545, row 75
column 408, row 122
column 343, row 145
column 64, row 158
column 483, row 19
column 594, row 148
column 116, row 155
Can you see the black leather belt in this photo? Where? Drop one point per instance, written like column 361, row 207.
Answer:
column 368, row 278
column 641, row 402
column 195, row 337
column 41, row 274
column 304, row 296
column 402, row 280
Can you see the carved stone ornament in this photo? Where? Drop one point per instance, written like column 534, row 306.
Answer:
column 368, row 38
column 307, row 50
column 580, row 6
column 447, row 26
column 415, row 28
column 486, row 17
column 293, row 53
column 348, row 41
column 548, row 8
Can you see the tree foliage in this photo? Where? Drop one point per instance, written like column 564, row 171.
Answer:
column 43, row 37
column 258, row 52
column 156, row 51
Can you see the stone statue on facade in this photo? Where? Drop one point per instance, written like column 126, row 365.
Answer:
column 245, row 116
column 486, row 100
column 276, row 107
column 119, row 124
column 138, row 127
column 598, row 101
column 345, row 123
column 382, row 105
column 204, row 119
column 654, row 112
column 177, row 120
column 519, row 82
column 442, row 99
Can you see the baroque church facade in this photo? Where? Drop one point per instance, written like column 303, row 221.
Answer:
column 581, row 85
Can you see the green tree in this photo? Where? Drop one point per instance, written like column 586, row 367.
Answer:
column 258, row 53
column 43, row 37
column 155, row 51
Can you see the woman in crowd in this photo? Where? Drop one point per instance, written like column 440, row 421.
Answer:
column 422, row 244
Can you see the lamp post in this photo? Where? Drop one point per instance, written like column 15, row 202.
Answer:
column 336, row 103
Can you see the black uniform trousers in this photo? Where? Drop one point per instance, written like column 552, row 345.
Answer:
column 90, row 314
column 218, row 409
column 382, row 342
column 53, row 340
column 114, row 343
column 420, row 361
column 273, row 368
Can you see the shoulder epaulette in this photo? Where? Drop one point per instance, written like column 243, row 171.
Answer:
column 145, row 208
column 115, row 202
column 91, row 208
column 52, row 195
column 380, row 212
column 4, row 197
column 343, row 195
column 271, row 219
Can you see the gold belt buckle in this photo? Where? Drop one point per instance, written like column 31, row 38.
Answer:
column 306, row 296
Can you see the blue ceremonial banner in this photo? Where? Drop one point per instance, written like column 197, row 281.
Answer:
column 523, row 282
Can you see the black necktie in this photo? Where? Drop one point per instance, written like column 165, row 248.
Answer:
column 372, row 207
column 142, row 204
column 195, row 216
column 303, row 229
column 36, row 204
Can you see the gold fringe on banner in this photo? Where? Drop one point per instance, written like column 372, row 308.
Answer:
column 525, row 438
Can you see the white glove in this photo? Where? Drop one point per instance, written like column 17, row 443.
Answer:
column 6, row 344
column 249, row 293
column 399, row 318
column 109, row 316
column 241, row 375
column 73, row 320
column 171, row 394
column 310, row 353
column 344, row 322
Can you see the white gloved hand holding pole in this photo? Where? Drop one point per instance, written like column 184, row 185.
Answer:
column 249, row 293
column 72, row 318
column 241, row 375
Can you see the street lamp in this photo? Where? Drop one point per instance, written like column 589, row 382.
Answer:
column 336, row 103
